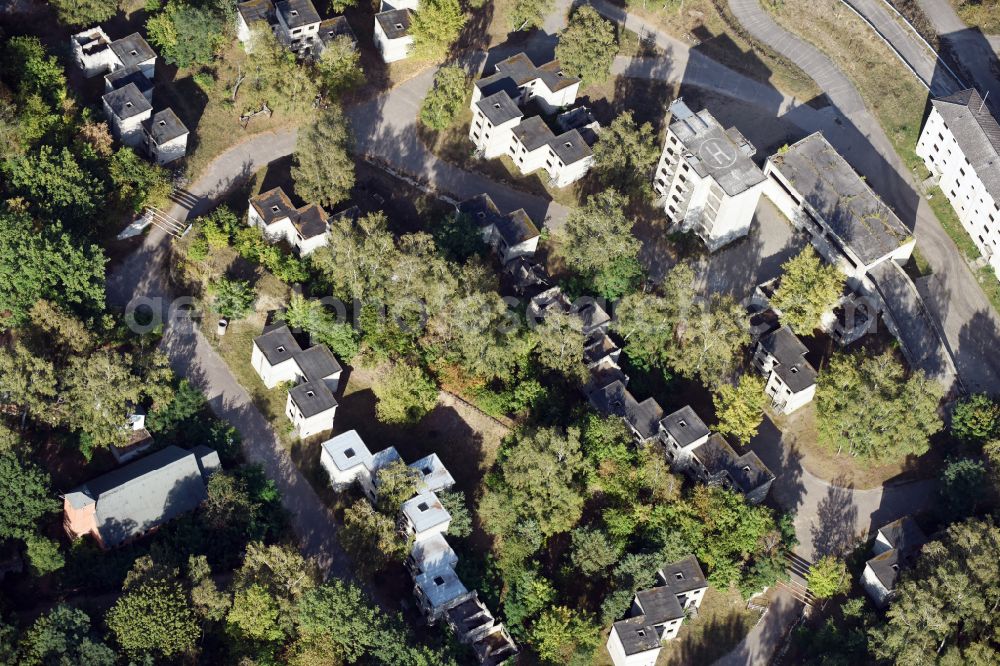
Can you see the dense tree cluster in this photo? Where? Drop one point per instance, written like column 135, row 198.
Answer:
column 809, row 288
column 587, row 46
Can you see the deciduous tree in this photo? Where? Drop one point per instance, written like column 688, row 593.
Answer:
column 322, row 168
column 867, row 406
column 233, row 298
column 371, row 538
column 322, row 325
column 26, row 499
column 185, row 34
column 828, row 577
column 809, row 287
column 461, row 519
column 275, row 77
column 435, row 28
column 98, row 390
column 64, row 636
column 592, row 553
column 357, row 262
column 975, row 419
column 55, row 187
column 564, row 636
column 405, row 394
column 740, row 408
column 626, row 153
column 599, row 233
column 560, row 343
column 339, row 66
column 84, row 13
column 527, row 14
column 446, row 101
column 137, row 182
column 587, row 46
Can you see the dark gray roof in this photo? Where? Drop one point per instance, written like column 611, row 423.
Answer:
column 125, row 75
column 277, row 344
column 659, row 605
column 683, row 575
column 977, row 133
column 904, row 534
column 591, row 314
column 886, row 567
column 164, row 126
column 148, row 492
column 918, row 334
column 685, row 426
column 855, row 214
column 746, row 471
column 533, row 133
column 517, row 227
column 335, row 27
column 132, row 50
column 518, row 70
column 617, row 400
column 296, row 13
column 312, row 398
column 481, row 210
column 710, row 151
column 637, row 635
column 789, row 352
column 570, row 147
column 598, row 349
column 256, row 10
column 273, row 205
column 127, row 102
column 395, row 23
column 317, row 362
column 310, row 220
column 499, row 108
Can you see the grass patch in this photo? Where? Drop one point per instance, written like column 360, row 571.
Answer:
column 948, row 218
column 979, row 14
column 723, row 621
column 888, row 88
column 714, row 32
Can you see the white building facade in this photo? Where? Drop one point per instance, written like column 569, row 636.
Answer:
column 960, row 145
column 705, row 178
column 790, row 381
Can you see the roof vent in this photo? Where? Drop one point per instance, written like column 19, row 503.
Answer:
column 162, row 123
column 641, row 633
column 496, row 105
column 311, row 394
column 895, row 567
column 399, row 26
column 426, row 471
column 134, row 52
column 281, row 349
column 128, row 105
column 274, row 209
column 295, row 12
column 682, row 423
column 349, row 453
column 794, row 370
column 746, row 468
column 423, row 506
column 569, row 145
column 438, row 580
column 679, row 575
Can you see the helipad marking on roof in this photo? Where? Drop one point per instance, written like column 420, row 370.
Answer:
column 717, row 153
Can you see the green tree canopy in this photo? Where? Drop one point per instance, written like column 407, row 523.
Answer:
column 539, row 479
column 461, row 519
column 740, row 408
column 275, row 77
column 405, row 394
column 587, row 46
column 827, row 577
column 593, row 554
column 233, row 298
column 55, row 187
column 445, row 102
column 322, row 326
column 940, row 604
column 322, row 168
column 435, row 28
column 560, row 342
column 137, row 182
column 626, row 153
column 975, row 419
column 962, row 488
column 186, row 34
column 371, row 538
column 26, row 499
column 357, row 261
column 84, row 13
column 809, row 288
column 64, row 636
column 31, row 71
column 867, row 406
column 338, row 67
column 564, row 636
column 599, row 233
column 527, row 14
column 46, row 263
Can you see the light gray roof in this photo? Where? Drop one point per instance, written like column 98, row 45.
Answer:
column 434, row 474
column 135, row 498
column 384, row 458
column 425, row 512
column 440, row 586
column 433, row 552
column 977, row 133
column 711, row 151
column 348, row 450
column 855, row 214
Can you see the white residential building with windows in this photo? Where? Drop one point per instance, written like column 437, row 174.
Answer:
column 305, row 229
column 656, row 614
column 960, row 145
column 896, row 545
column 790, row 380
column 295, row 23
column 705, row 178
column 511, row 236
column 500, row 127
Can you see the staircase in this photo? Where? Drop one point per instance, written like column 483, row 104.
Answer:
column 798, row 569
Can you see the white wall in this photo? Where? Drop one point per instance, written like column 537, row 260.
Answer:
column 129, row 131
column 171, row 150
column 340, row 480
column 618, row 656
column 492, row 140
column 962, row 186
column 874, row 587
column 307, row 427
column 285, row 371
column 391, row 49
column 99, row 61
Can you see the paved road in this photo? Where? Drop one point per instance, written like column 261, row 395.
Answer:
column 909, row 46
column 952, row 295
column 766, row 637
column 975, row 53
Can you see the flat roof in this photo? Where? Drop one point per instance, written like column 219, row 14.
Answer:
column 848, row 206
column 132, row 50
column 256, row 10
column 684, row 575
column 312, row 398
column 425, row 512
column 790, row 354
column 616, row 399
column 297, row 13
column 127, row 102
column 637, row 635
column 440, row 587
column 685, row 426
column 435, row 475
column 384, row 458
column 499, row 108
column 433, row 552
column 395, row 23
column 977, row 133
column 164, row 126
column 659, row 605
column 571, row 147
column 311, row 220
column 711, row 151
column 347, row 450
column 335, row 27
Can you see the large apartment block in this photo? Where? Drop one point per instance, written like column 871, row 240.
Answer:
column 960, row 144
column 705, row 178
column 502, row 124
